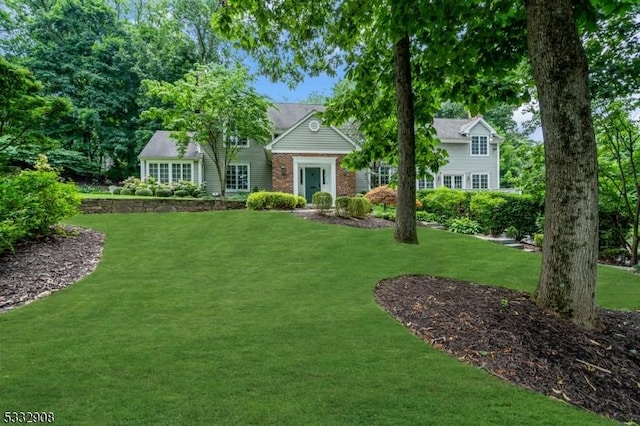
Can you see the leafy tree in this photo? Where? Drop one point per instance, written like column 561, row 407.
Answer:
column 619, row 166
column 25, row 113
column 215, row 107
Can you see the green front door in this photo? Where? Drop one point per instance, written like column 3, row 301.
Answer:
column 311, row 182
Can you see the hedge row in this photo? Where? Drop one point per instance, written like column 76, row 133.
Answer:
column 263, row 200
column 495, row 212
column 150, row 187
column 31, row 202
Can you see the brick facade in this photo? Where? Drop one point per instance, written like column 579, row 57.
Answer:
column 345, row 180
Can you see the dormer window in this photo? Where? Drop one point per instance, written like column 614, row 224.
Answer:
column 479, row 145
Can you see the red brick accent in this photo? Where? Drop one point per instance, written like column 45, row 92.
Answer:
column 345, row 180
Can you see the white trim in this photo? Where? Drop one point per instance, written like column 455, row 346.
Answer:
column 304, row 151
column 145, row 166
column 324, row 163
column 227, row 189
column 314, row 125
column 471, row 145
column 498, row 167
column 480, row 180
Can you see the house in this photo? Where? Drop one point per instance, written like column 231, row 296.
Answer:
column 305, row 155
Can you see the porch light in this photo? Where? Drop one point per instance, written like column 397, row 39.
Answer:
column 283, row 170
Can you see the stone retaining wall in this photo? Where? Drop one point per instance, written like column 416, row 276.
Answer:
column 155, row 205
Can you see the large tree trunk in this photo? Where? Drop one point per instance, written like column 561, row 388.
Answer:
column 406, row 228
column 570, row 250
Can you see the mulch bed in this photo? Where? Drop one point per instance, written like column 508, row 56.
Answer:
column 48, row 264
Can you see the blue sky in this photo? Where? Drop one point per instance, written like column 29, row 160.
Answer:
column 280, row 92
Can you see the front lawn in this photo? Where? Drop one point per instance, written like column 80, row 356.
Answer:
column 262, row 318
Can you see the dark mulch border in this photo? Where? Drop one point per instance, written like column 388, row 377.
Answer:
column 504, row 332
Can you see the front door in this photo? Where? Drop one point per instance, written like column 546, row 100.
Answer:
column 311, row 182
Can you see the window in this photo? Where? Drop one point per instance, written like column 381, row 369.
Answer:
column 171, row 172
column 479, row 145
column 480, row 181
column 452, row 181
column 180, row 171
column 381, row 175
column 238, row 177
column 425, row 183
column 237, row 141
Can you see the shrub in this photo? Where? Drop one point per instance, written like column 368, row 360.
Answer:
column 163, row 192
column 512, row 232
column 322, row 201
column 538, row 239
column 181, row 193
column 127, row 191
column 359, row 207
column 382, row 212
column 485, row 209
column 273, row 200
column 116, row 191
column 382, row 195
column 342, row 206
column 445, row 203
column 190, row 188
column 464, row 226
column 423, row 216
column 301, row 202
column 32, row 201
column 145, row 192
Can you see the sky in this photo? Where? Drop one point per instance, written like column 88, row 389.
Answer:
column 280, row 92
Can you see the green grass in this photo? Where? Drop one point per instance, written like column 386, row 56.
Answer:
column 262, row 318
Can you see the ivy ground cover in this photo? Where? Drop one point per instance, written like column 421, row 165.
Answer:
column 262, row 318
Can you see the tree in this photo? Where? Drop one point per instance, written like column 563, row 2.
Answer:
column 619, row 166
column 215, row 107
column 25, row 113
column 568, row 278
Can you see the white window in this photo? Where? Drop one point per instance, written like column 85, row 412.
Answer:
column 238, row 177
column 479, row 145
column 452, row 181
column 425, row 183
column 180, row 171
column 480, row 181
column 381, row 175
column 171, row 172
column 237, row 141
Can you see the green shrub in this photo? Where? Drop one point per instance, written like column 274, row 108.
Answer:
column 32, row 201
column 464, row 225
column 359, row 207
column 273, row 200
column 163, row 192
column 445, row 203
column 382, row 212
column 301, row 202
column 190, row 188
column 485, row 209
column 181, row 193
column 423, row 216
column 512, row 232
column 322, row 201
column 342, row 206
column 538, row 239
column 145, row 192
column 127, row 191
column 116, row 191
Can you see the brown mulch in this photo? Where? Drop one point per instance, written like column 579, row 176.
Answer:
column 46, row 265
column 504, row 332
column 330, row 218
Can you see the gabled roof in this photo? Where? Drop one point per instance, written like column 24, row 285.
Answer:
column 286, row 115
column 303, row 119
column 161, row 145
column 458, row 128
